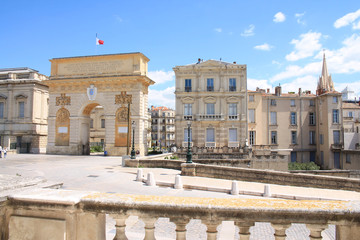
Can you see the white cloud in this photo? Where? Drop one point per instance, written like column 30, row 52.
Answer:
column 160, row 76
column 307, row 82
column 165, row 97
column 347, row 19
column 219, row 30
column 118, row 18
column 279, row 17
column 264, row 47
column 299, row 19
column 305, row 46
column 356, row 26
column 249, row 31
column 252, row 84
column 297, row 71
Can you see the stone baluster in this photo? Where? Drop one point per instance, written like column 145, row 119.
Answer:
column 280, row 229
column 244, row 229
column 149, row 227
column 180, row 227
column 120, row 226
column 315, row 230
column 211, row 229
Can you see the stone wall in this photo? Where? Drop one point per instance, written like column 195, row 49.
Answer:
column 335, row 173
column 269, row 176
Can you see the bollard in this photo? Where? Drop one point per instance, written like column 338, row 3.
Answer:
column 150, row 180
column 178, row 182
column 139, row 175
column 234, row 188
column 267, row 192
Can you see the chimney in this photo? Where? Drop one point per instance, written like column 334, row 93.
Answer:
column 278, row 90
column 299, row 91
column 199, row 60
column 234, row 62
column 268, row 90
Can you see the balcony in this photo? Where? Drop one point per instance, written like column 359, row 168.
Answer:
column 188, row 117
column 210, row 144
column 233, row 117
column 210, row 88
column 336, row 146
column 215, row 117
column 232, row 88
column 187, row 89
column 233, row 144
column 87, row 213
column 185, row 144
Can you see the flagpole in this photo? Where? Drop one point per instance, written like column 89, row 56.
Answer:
column 96, row 44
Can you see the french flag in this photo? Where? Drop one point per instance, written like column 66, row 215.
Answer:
column 98, row 41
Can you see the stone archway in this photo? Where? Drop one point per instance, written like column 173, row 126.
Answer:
column 117, row 82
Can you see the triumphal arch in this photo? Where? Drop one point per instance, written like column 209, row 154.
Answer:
column 77, row 85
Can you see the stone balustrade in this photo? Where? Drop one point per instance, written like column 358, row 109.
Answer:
column 74, row 215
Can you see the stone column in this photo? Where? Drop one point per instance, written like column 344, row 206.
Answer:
column 149, row 228
column 120, row 226
column 315, row 230
column 211, row 229
column 180, row 227
column 244, row 229
column 280, row 230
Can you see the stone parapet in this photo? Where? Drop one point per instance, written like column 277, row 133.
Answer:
column 81, row 215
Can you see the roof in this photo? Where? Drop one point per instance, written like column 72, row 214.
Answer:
column 351, row 105
column 162, row 108
column 18, row 69
column 112, row 54
column 210, row 63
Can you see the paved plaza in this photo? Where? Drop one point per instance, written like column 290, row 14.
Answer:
column 106, row 174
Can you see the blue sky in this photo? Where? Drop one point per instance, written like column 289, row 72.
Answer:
column 281, row 42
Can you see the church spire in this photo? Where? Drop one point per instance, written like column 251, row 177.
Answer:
column 325, row 83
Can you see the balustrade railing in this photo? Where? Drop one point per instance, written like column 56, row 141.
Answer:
column 31, row 213
column 210, row 117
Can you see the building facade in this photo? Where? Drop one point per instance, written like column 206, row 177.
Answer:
column 162, row 126
column 78, row 85
column 309, row 124
column 212, row 97
column 23, row 110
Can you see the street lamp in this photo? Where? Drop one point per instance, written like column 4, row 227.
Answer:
column 189, row 155
column 133, row 142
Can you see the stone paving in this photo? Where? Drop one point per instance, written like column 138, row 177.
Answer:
column 105, row 174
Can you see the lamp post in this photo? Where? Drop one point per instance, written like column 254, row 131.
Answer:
column 188, row 155
column 133, row 141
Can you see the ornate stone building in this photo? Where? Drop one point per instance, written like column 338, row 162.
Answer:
column 23, row 110
column 116, row 82
column 213, row 96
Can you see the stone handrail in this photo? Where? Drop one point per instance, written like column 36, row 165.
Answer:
column 81, row 215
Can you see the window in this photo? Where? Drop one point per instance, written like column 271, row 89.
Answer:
column 232, row 84
column 187, row 109
column 186, row 134
column 210, row 108
column 312, row 137
column 21, row 109
column 252, row 137
column 232, row 135
column 293, row 156
column 335, row 116
column 336, row 136
column 312, row 102
column 335, row 99
column 91, row 123
column 292, row 102
column 348, row 159
column 187, row 85
column 251, row 98
column 210, row 84
column 273, row 137
column 273, row 102
column 312, row 156
column 251, row 115
column 312, row 118
column 293, row 118
column 1, row 110
column 293, row 137
column 232, row 109
column 102, row 123
column 273, row 118
column 210, row 135
column 321, row 139
column 322, row 158
column 350, row 114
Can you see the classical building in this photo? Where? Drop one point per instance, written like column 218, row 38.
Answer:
column 212, row 96
column 162, row 126
column 78, row 85
column 309, row 124
column 23, row 110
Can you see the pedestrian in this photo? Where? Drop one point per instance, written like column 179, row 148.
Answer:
column 5, row 150
column 0, row 152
